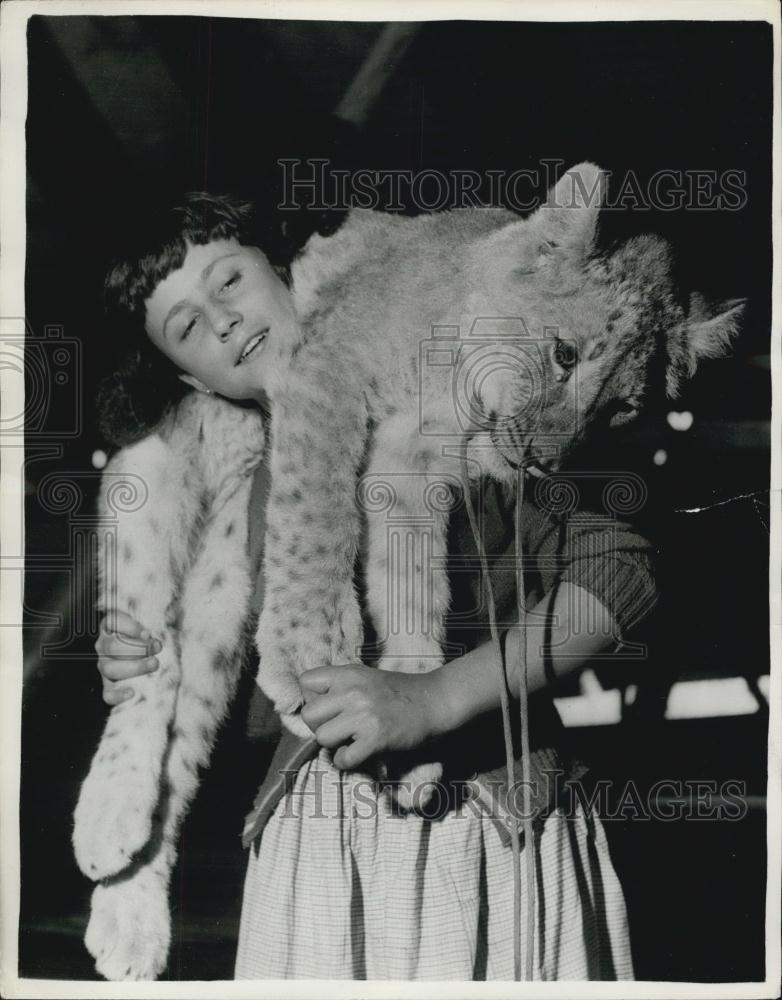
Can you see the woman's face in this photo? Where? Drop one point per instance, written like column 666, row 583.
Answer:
column 219, row 315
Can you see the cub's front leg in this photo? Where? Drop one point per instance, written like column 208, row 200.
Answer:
column 310, row 615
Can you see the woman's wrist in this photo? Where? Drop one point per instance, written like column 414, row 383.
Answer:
column 462, row 689
column 442, row 705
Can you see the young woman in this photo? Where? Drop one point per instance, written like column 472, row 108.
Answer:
column 339, row 883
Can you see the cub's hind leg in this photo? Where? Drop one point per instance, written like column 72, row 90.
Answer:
column 129, row 929
column 113, row 816
column 407, row 497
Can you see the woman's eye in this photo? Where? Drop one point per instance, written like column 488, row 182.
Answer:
column 188, row 328
column 565, row 354
column 232, row 281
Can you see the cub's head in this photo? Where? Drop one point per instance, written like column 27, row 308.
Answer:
column 601, row 332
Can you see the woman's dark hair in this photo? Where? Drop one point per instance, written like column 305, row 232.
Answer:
column 143, row 384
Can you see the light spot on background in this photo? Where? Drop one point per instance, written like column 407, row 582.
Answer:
column 680, row 421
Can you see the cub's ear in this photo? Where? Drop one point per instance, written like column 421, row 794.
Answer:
column 561, row 231
column 709, row 332
column 568, row 220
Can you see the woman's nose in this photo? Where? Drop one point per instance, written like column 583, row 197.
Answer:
column 223, row 322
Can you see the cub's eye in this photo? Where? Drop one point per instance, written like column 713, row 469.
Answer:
column 565, row 354
column 623, row 411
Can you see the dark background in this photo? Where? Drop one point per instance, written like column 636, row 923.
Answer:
column 121, row 107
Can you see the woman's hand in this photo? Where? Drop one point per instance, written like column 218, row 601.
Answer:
column 363, row 711
column 124, row 652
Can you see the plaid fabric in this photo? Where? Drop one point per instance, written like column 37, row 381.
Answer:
column 342, row 887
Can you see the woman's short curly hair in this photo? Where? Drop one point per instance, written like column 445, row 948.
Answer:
column 143, row 384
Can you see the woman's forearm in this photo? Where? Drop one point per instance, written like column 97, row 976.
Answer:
column 568, row 627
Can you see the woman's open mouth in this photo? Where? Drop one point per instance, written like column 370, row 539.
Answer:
column 251, row 345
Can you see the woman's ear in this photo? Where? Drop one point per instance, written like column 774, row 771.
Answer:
column 194, row 383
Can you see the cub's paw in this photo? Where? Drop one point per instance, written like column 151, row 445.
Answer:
column 411, row 664
column 113, row 818
column 346, row 639
column 130, row 929
column 297, row 725
column 417, row 787
column 278, row 682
